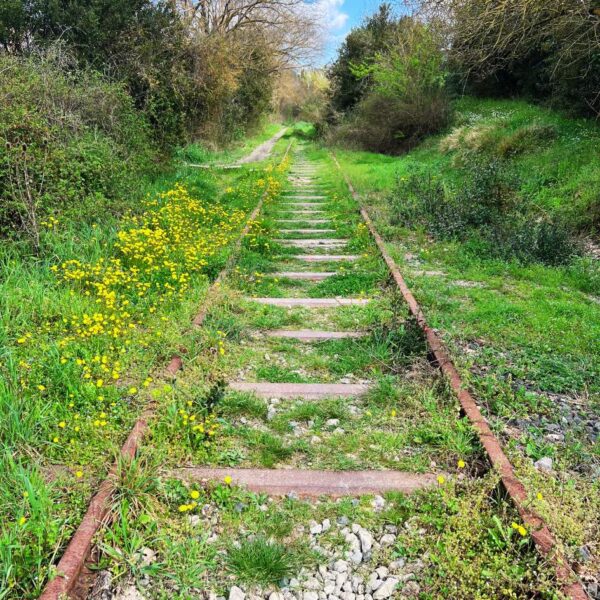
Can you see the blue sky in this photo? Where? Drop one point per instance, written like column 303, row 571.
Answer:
column 339, row 17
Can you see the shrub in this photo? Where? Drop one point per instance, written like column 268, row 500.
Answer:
column 407, row 99
column 485, row 211
column 70, row 142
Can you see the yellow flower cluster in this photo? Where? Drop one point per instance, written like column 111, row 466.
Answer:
column 156, row 255
column 198, row 428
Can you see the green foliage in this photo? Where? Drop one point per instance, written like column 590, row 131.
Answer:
column 361, row 46
column 261, row 561
column 486, row 212
column 72, row 144
column 406, row 97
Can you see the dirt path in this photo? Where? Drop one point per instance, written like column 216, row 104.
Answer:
column 264, row 150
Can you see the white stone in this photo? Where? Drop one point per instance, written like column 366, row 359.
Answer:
column 332, row 422
column 378, row 502
column 326, row 525
column 340, row 580
column 373, row 582
column 366, row 540
column 386, row 589
column 275, row 596
column 340, row 566
column 387, row 540
column 236, row 593
column 544, row 464
column 382, row 572
column 312, row 584
column 310, row 596
column 129, row 593
column 315, row 528
column 329, row 588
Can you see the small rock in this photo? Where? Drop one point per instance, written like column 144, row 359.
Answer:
column 544, row 464
column 146, row 557
column 373, row 582
column 326, row 525
column 386, row 589
column 275, row 596
column 342, row 521
column 584, row 554
column 315, row 528
column 340, row 566
column 332, row 422
column 315, row 439
column 312, row 584
column 387, row 540
column 236, row 593
column 102, row 587
column 378, row 503
column 310, row 596
column 194, row 520
column 397, row 564
column 129, row 593
column 271, row 413
column 382, row 572
column 366, row 540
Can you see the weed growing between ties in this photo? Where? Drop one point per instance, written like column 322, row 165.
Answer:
column 459, row 539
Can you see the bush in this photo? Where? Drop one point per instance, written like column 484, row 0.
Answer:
column 70, row 142
column 485, row 211
column 407, row 99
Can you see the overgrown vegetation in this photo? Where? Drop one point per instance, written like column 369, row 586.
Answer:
column 389, row 84
column 393, row 75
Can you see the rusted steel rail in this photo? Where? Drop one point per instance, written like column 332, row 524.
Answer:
column 542, row 537
column 73, row 560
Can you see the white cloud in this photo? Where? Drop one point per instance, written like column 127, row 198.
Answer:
column 329, row 13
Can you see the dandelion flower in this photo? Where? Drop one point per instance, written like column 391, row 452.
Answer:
column 441, row 479
column 227, row 479
column 461, row 464
column 195, row 494
column 539, row 496
column 22, row 520
column 79, row 474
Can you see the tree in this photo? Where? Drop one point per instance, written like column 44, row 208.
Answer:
column 546, row 48
column 360, row 46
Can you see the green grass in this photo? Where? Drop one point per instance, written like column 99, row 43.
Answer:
column 60, row 430
column 261, row 561
column 523, row 334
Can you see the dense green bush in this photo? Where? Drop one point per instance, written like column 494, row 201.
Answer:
column 70, row 143
column 487, row 213
column 406, row 98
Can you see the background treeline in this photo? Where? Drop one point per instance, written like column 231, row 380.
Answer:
column 394, row 76
column 94, row 92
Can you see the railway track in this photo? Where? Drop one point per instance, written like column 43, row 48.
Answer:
column 318, row 254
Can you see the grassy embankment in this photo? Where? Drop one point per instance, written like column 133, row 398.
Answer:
column 85, row 326
column 520, row 311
